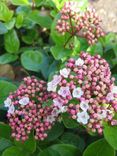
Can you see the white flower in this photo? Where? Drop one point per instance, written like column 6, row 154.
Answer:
column 77, row 92
column 65, row 72
column 11, row 109
column 7, row 102
column 102, row 115
column 83, row 117
column 24, row 101
column 52, row 85
column 64, row 91
column 114, row 90
column 55, row 112
column 79, row 62
column 110, row 96
column 58, row 102
column 63, row 109
column 50, row 119
column 84, row 105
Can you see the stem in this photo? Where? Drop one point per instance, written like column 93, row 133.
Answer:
column 68, row 40
column 33, row 4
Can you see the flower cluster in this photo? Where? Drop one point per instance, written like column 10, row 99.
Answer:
column 86, row 91
column 85, row 24
column 26, row 111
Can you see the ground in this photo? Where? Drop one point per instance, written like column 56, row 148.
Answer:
column 107, row 10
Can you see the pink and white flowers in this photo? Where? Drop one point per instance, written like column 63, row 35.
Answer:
column 64, row 91
column 77, row 92
column 65, row 72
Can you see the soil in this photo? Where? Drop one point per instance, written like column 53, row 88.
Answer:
column 107, row 10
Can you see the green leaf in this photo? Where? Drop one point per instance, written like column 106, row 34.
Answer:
column 48, row 152
column 19, row 20
column 4, row 143
column 110, row 135
column 11, row 42
column 30, row 37
column 5, row 89
column 99, row 148
column 57, row 37
column 5, row 131
column 14, row 151
column 60, row 52
column 5, row 13
column 20, row 2
column 73, row 139
column 10, row 24
column 56, row 131
column 3, row 28
column 76, row 46
column 47, row 103
column 29, row 145
column 7, row 58
column 42, row 20
column 31, row 60
column 96, row 49
column 68, row 121
column 66, row 150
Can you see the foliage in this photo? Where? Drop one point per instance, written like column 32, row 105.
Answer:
column 29, row 41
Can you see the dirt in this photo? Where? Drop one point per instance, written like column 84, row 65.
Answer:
column 107, row 10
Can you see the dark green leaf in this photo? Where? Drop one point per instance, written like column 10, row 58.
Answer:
column 48, row 152
column 5, row 131
column 73, row 139
column 14, row 151
column 99, row 148
column 110, row 135
column 68, row 121
column 29, row 145
column 4, row 143
column 5, row 89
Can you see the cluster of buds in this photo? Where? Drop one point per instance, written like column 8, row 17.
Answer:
column 84, row 24
column 26, row 111
column 86, row 91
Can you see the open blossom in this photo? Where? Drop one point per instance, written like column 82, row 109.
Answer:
column 84, row 105
column 51, row 86
column 58, row 102
column 24, row 101
column 65, row 72
column 110, row 96
column 11, row 109
column 77, row 92
column 63, row 109
column 114, row 90
column 83, row 117
column 7, row 102
column 64, row 92
column 103, row 114
column 79, row 62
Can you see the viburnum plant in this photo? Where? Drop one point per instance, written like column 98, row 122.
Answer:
column 60, row 94
column 86, row 91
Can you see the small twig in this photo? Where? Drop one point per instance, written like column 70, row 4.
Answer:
column 68, row 40
column 33, row 4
